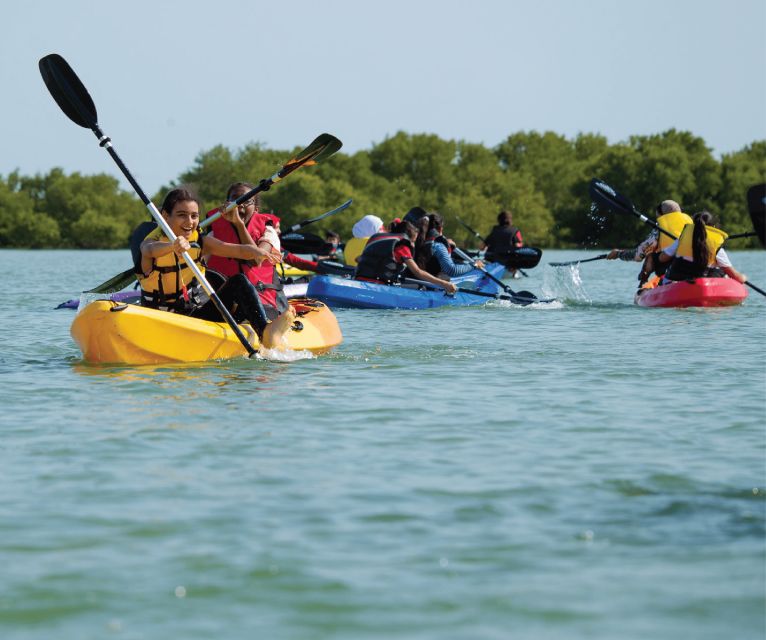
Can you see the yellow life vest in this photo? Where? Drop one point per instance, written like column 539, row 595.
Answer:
column 674, row 223
column 353, row 250
column 170, row 275
column 715, row 238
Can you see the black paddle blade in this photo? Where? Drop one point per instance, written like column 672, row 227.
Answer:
column 756, row 205
column 69, row 93
column 303, row 243
column 321, row 148
column 520, row 258
column 602, row 193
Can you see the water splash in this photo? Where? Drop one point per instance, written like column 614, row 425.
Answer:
column 283, row 355
column 565, row 282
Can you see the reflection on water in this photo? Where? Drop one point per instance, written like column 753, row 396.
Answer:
column 206, row 377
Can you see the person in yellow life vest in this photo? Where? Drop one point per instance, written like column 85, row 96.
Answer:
column 699, row 252
column 670, row 218
column 166, row 281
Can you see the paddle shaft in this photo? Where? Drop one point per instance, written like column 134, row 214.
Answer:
column 471, row 261
column 305, row 223
column 74, row 100
column 484, row 294
column 323, row 145
column 105, row 142
column 566, row 264
column 747, row 234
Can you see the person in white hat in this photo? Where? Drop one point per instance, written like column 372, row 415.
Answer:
column 367, row 226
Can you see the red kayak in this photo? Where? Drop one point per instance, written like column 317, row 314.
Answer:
column 701, row 292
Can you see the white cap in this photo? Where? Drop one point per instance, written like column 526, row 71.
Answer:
column 367, row 226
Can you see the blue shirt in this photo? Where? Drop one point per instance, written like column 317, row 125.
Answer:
column 446, row 263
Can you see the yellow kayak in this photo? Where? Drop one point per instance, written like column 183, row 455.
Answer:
column 109, row 332
column 286, row 271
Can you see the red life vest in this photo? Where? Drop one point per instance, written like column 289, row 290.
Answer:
column 265, row 274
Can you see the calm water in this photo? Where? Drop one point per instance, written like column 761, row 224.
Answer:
column 591, row 470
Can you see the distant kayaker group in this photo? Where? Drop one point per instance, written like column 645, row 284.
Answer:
column 680, row 247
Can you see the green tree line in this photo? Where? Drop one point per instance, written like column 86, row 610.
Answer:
column 542, row 177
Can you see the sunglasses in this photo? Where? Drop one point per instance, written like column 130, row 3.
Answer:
column 246, row 203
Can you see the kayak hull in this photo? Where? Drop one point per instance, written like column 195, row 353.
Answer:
column 108, row 332
column 701, row 292
column 359, row 294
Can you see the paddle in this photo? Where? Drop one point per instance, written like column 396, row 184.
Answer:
column 75, row 101
column 321, row 148
column 473, row 292
column 756, row 205
column 302, row 243
column 522, row 297
column 512, row 253
column 571, row 262
column 305, row 223
column 747, row 234
column 601, row 192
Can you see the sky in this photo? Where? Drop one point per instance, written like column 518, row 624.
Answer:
column 171, row 79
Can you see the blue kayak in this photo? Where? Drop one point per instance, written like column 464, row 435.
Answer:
column 359, row 294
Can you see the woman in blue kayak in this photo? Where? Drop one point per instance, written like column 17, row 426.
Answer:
column 699, row 252
column 437, row 251
column 167, row 282
column 387, row 254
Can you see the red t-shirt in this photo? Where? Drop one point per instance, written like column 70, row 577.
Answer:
column 402, row 252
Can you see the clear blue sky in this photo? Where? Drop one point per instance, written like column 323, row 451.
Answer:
column 171, row 79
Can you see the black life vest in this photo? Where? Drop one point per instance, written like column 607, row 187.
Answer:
column 377, row 260
column 430, row 262
column 501, row 241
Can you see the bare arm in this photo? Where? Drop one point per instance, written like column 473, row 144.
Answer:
column 424, row 275
column 734, row 274
column 215, row 247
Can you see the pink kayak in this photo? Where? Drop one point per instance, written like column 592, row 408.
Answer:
column 701, row 292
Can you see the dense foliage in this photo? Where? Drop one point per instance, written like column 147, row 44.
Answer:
column 542, row 178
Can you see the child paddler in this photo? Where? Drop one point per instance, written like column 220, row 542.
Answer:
column 167, row 283
column 247, row 226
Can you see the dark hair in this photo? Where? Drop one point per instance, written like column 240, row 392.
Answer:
column 700, row 252
column 239, row 186
column 405, row 227
column 331, row 234
column 505, row 218
column 435, row 221
column 181, row 194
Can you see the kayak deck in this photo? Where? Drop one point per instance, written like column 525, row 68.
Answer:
column 108, row 332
